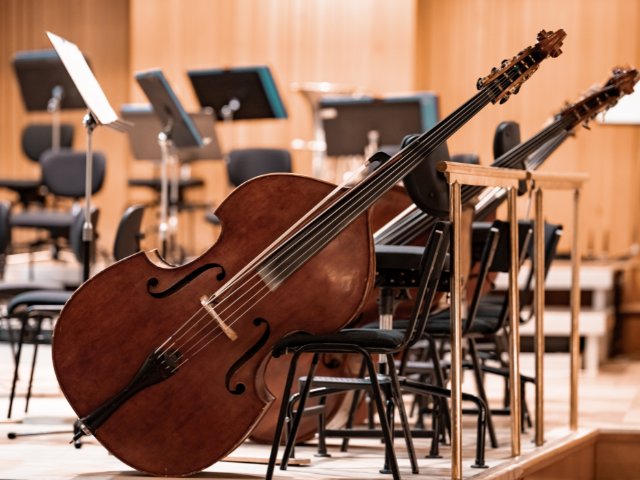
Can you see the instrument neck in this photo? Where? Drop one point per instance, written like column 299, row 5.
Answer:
column 415, row 222
column 318, row 230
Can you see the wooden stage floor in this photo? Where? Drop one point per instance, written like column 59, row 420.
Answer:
column 610, row 399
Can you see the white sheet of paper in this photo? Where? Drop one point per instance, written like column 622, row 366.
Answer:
column 85, row 81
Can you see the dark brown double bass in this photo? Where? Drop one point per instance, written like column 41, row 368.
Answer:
column 164, row 365
column 390, row 205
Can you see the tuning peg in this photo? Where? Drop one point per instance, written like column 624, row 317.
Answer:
column 585, row 124
column 505, row 98
column 504, row 63
column 516, row 89
column 479, row 83
column 555, row 53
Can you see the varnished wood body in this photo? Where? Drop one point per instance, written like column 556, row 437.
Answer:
column 111, row 324
column 391, row 204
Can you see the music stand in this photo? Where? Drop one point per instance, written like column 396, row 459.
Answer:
column 143, row 136
column 355, row 125
column 243, row 93
column 45, row 85
column 178, row 131
column 99, row 113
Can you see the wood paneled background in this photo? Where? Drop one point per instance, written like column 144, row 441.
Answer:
column 101, row 29
column 461, row 40
column 381, row 46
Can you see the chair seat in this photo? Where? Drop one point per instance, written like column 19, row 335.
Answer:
column 19, row 185
column 37, row 297
column 156, row 183
column 382, row 340
column 13, row 289
column 440, row 324
column 42, row 219
column 398, row 257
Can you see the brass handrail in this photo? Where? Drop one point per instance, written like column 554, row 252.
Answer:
column 463, row 174
column 540, row 181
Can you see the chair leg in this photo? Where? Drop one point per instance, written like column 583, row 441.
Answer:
column 17, row 364
column 395, row 390
column 322, row 425
column 36, row 342
column 304, row 394
column 355, row 402
column 439, row 378
column 434, row 451
column 425, row 389
column 473, row 352
column 281, row 418
column 386, row 429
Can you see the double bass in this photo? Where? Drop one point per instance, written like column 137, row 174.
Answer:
column 165, row 365
column 390, row 205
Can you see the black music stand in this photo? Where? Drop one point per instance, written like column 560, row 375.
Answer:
column 177, row 131
column 143, row 136
column 45, row 85
column 357, row 125
column 99, row 112
column 243, row 93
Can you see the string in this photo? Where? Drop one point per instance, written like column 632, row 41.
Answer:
column 285, row 273
column 173, row 337
column 321, row 243
column 418, row 221
column 401, row 164
column 398, row 165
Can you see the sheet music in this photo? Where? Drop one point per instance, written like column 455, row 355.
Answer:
column 85, row 81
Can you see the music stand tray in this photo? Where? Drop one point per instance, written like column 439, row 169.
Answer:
column 143, row 137
column 39, row 73
column 243, row 93
column 100, row 113
column 347, row 121
column 174, row 120
column 90, row 90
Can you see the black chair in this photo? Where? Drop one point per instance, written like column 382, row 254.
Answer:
column 247, row 163
column 36, row 139
column 63, row 173
column 492, row 348
column 5, row 234
column 365, row 342
column 36, row 306
column 490, row 249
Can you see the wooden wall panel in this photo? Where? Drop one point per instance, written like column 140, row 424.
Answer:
column 461, row 40
column 380, row 45
column 366, row 44
column 101, row 30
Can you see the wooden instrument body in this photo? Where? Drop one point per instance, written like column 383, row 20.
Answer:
column 197, row 416
column 391, row 204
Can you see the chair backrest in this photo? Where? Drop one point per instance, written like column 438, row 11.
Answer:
column 431, row 267
column 552, row 234
column 128, row 235
column 63, row 172
column 75, row 231
column 427, row 187
column 5, row 226
column 495, row 239
column 36, row 139
column 246, row 163
column 506, row 137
